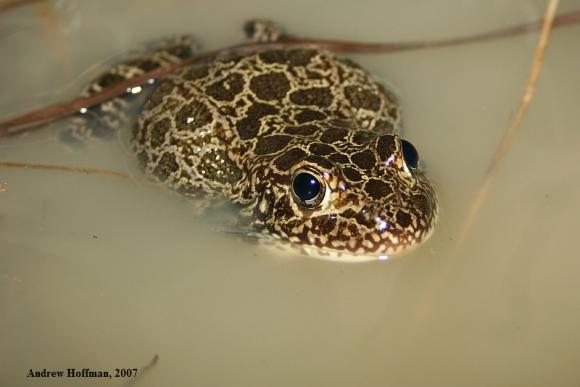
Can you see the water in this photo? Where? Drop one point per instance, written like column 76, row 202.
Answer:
column 101, row 273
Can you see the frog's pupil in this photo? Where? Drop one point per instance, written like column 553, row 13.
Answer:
column 410, row 154
column 306, row 186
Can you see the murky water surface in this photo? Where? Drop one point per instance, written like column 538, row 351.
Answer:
column 102, row 273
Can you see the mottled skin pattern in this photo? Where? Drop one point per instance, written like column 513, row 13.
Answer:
column 242, row 126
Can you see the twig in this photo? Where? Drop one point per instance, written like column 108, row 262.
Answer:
column 516, row 121
column 369, row 48
column 28, row 121
column 63, row 168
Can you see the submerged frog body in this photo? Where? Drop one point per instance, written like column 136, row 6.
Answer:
column 306, row 143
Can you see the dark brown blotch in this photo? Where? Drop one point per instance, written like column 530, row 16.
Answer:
column 283, row 208
column 333, row 135
column 309, row 115
column 157, row 136
column 270, row 86
column 312, row 96
column 352, row 174
column 386, row 146
column 365, row 160
column 339, row 158
column 323, row 225
column 166, row 165
column 377, row 189
column 259, row 110
column 192, row 116
column 271, row 144
column 248, row 128
column 295, row 57
column 318, row 148
column 403, row 219
column 288, row 159
column 362, row 137
column 362, row 98
column 302, row 130
column 366, row 218
column 227, row 88
column 321, row 161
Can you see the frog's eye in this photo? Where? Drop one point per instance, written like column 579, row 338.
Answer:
column 410, row 154
column 307, row 188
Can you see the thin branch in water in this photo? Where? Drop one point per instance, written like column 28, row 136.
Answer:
column 64, row 168
column 511, row 131
column 370, row 48
column 31, row 120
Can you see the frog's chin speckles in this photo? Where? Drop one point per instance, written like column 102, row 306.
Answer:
column 291, row 248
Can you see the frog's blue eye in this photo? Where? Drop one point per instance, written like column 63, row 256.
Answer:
column 308, row 189
column 410, row 154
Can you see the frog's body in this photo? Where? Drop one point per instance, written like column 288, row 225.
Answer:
column 305, row 142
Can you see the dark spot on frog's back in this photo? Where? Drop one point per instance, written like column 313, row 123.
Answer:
column 270, row 86
column 386, row 147
column 296, row 57
column 259, row 110
column 320, row 160
column 227, row 88
column 313, row 96
column 166, row 166
column 249, row 126
column 192, row 116
column 287, row 159
column 333, row 135
column 321, row 149
column 352, row 174
column 362, row 137
column 339, row 158
column 377, row 189
column 271, row 144
column 303, row 130
column 361, row 98
column 365, row 160
column 158, row 131
column 308, row 115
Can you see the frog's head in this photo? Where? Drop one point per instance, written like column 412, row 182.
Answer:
column 355, row 192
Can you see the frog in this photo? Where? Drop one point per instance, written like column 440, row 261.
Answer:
column 305, row 144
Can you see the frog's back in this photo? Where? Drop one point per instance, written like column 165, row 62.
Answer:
column 205, row 124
